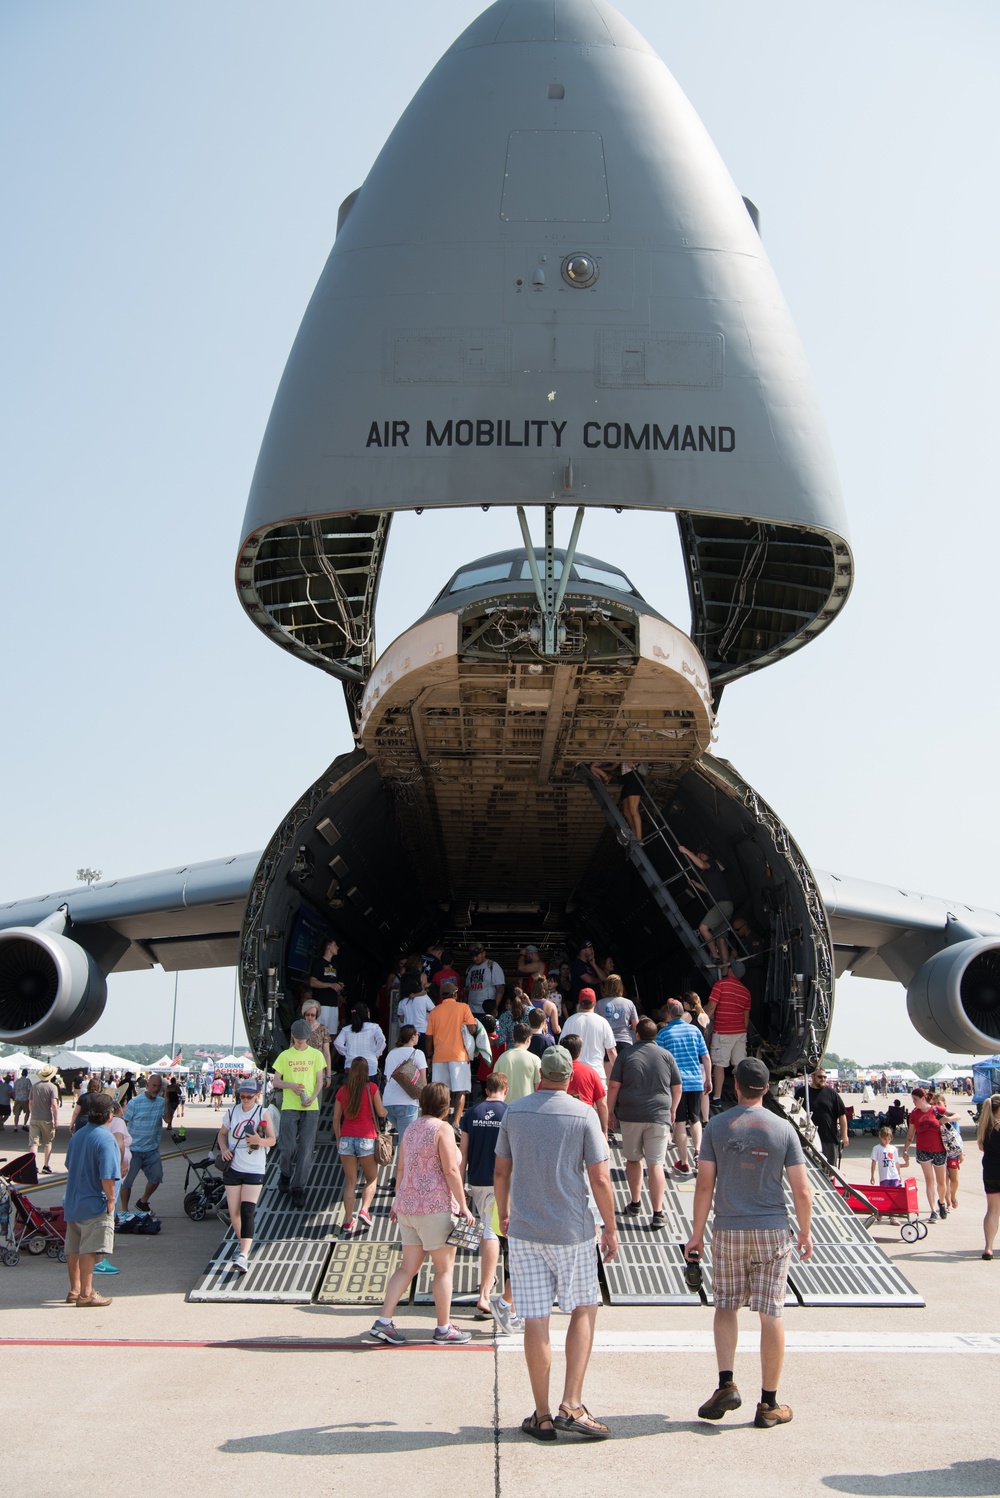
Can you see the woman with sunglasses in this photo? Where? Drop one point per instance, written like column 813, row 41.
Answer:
column 988, row 1139
column 245, row 1136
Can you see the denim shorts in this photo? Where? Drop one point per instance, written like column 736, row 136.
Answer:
column 351, row 1145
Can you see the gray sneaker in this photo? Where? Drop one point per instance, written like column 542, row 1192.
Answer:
column 388, row 1332
column 240, row 1264
column 450, row 1337
column 504, row 1316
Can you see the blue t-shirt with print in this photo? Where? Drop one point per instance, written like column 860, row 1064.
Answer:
column 482, row 1124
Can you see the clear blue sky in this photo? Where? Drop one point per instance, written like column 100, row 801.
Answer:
column 171, row 177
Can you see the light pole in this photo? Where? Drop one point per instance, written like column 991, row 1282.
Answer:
column 173, row 1022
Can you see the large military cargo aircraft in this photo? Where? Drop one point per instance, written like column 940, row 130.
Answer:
column 547, row 293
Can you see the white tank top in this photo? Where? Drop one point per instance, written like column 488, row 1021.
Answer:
column 238, row 1123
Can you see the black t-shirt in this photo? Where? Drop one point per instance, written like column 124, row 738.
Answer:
column 582, row 975
column 991, row 1155
column 539, row 1044
column 324, row 969
column 826, row 1107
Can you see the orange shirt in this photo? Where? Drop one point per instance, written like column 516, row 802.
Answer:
column 444, row 1026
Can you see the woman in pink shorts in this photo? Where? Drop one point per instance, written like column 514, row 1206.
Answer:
column 429, row 1192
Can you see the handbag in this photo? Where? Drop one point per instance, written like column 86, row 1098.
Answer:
column 383, row 1146
column 405, row 1076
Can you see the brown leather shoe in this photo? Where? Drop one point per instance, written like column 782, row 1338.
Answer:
column 95, row 1300
column 725, row 1398
column 768, row 1415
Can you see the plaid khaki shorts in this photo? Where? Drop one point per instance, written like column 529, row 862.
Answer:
column 750, row 1268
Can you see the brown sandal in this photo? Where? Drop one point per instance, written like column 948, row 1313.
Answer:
column 532, row 1426
column 588, row 1427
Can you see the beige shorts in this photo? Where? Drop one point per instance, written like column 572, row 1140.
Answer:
column 41, row 1135
column 729, row 1050
column 424, row 1230
column 95, row 1235
column 485, row 1199
column 645, row 1141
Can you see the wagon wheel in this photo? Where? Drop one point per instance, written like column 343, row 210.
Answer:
column 922, row 1229
column 909, row 1232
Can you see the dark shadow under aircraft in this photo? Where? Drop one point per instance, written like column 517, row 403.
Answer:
column 548, row 292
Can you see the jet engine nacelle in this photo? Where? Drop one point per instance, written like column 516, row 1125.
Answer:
column 51, row 990
column 954, row 999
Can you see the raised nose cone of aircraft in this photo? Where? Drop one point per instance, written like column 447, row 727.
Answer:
column 548, row 289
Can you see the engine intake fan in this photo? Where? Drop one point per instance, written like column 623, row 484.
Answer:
column 954, row 999
column 51, row 989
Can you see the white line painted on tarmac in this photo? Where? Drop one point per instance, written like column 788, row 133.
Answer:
column 795, row 1342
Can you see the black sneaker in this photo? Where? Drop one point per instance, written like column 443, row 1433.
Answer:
column 634, row 1208
column 692, row 1273
column 714, row 1107
column 298, row 1198
column 725, row 1398
column 142, row 1206
column 657, row 1220
column 942, row 1210
column 284, row 1183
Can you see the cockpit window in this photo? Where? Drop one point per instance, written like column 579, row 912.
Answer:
column 477, row 577
column 556, row 567
column 589, row 574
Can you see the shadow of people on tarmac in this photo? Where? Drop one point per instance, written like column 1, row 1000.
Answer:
column 379, row 1437
column 960, row 1480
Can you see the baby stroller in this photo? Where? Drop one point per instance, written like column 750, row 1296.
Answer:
column 209, row 1194
column 41, row 1230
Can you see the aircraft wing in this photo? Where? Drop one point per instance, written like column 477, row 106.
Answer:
column 190, row 917
column 184, row 917
column 880, row 931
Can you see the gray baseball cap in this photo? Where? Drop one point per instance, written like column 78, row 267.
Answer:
column 301, row 1030
column 557, row 1063
column 752, row 1075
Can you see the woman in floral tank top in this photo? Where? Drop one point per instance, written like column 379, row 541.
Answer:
column 429, row 1192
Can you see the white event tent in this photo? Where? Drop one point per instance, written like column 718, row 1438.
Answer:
column 19, row 1061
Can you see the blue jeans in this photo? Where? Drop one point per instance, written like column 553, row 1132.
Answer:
column 402, row 1115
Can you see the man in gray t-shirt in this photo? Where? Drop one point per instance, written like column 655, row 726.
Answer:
column 545, row 1143
column 743, row 1154
column 643, row 1092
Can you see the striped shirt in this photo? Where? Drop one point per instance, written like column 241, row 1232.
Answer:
column 732, row 1001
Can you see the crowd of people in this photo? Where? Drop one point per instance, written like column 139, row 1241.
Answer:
column 496, row 1100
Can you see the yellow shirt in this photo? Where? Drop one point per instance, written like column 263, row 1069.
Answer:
column 299, row 1066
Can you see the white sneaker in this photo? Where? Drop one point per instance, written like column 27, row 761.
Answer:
column 503, row 1314
column 240, row 1264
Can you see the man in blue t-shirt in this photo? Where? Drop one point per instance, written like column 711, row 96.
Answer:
column 144, row 1121
column 480, row 1127
column 686, row 1044
column 93, row 1168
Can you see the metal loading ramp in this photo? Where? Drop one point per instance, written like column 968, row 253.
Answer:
column 299, row 1255
column 848, row 1267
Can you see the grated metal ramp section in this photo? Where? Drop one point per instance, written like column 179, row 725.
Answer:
column 300, row 1254
column 848, row 1267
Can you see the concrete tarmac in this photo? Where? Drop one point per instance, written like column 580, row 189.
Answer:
column 287, row 1397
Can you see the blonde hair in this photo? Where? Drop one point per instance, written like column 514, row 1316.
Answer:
column 613, row 987
column 693, row 1002
column 989, row 1118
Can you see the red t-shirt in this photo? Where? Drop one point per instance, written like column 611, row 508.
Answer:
column 927, row 1129
column 448, row 975
column 732, row 1004
column 586, row 1085
column 363, row 1126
